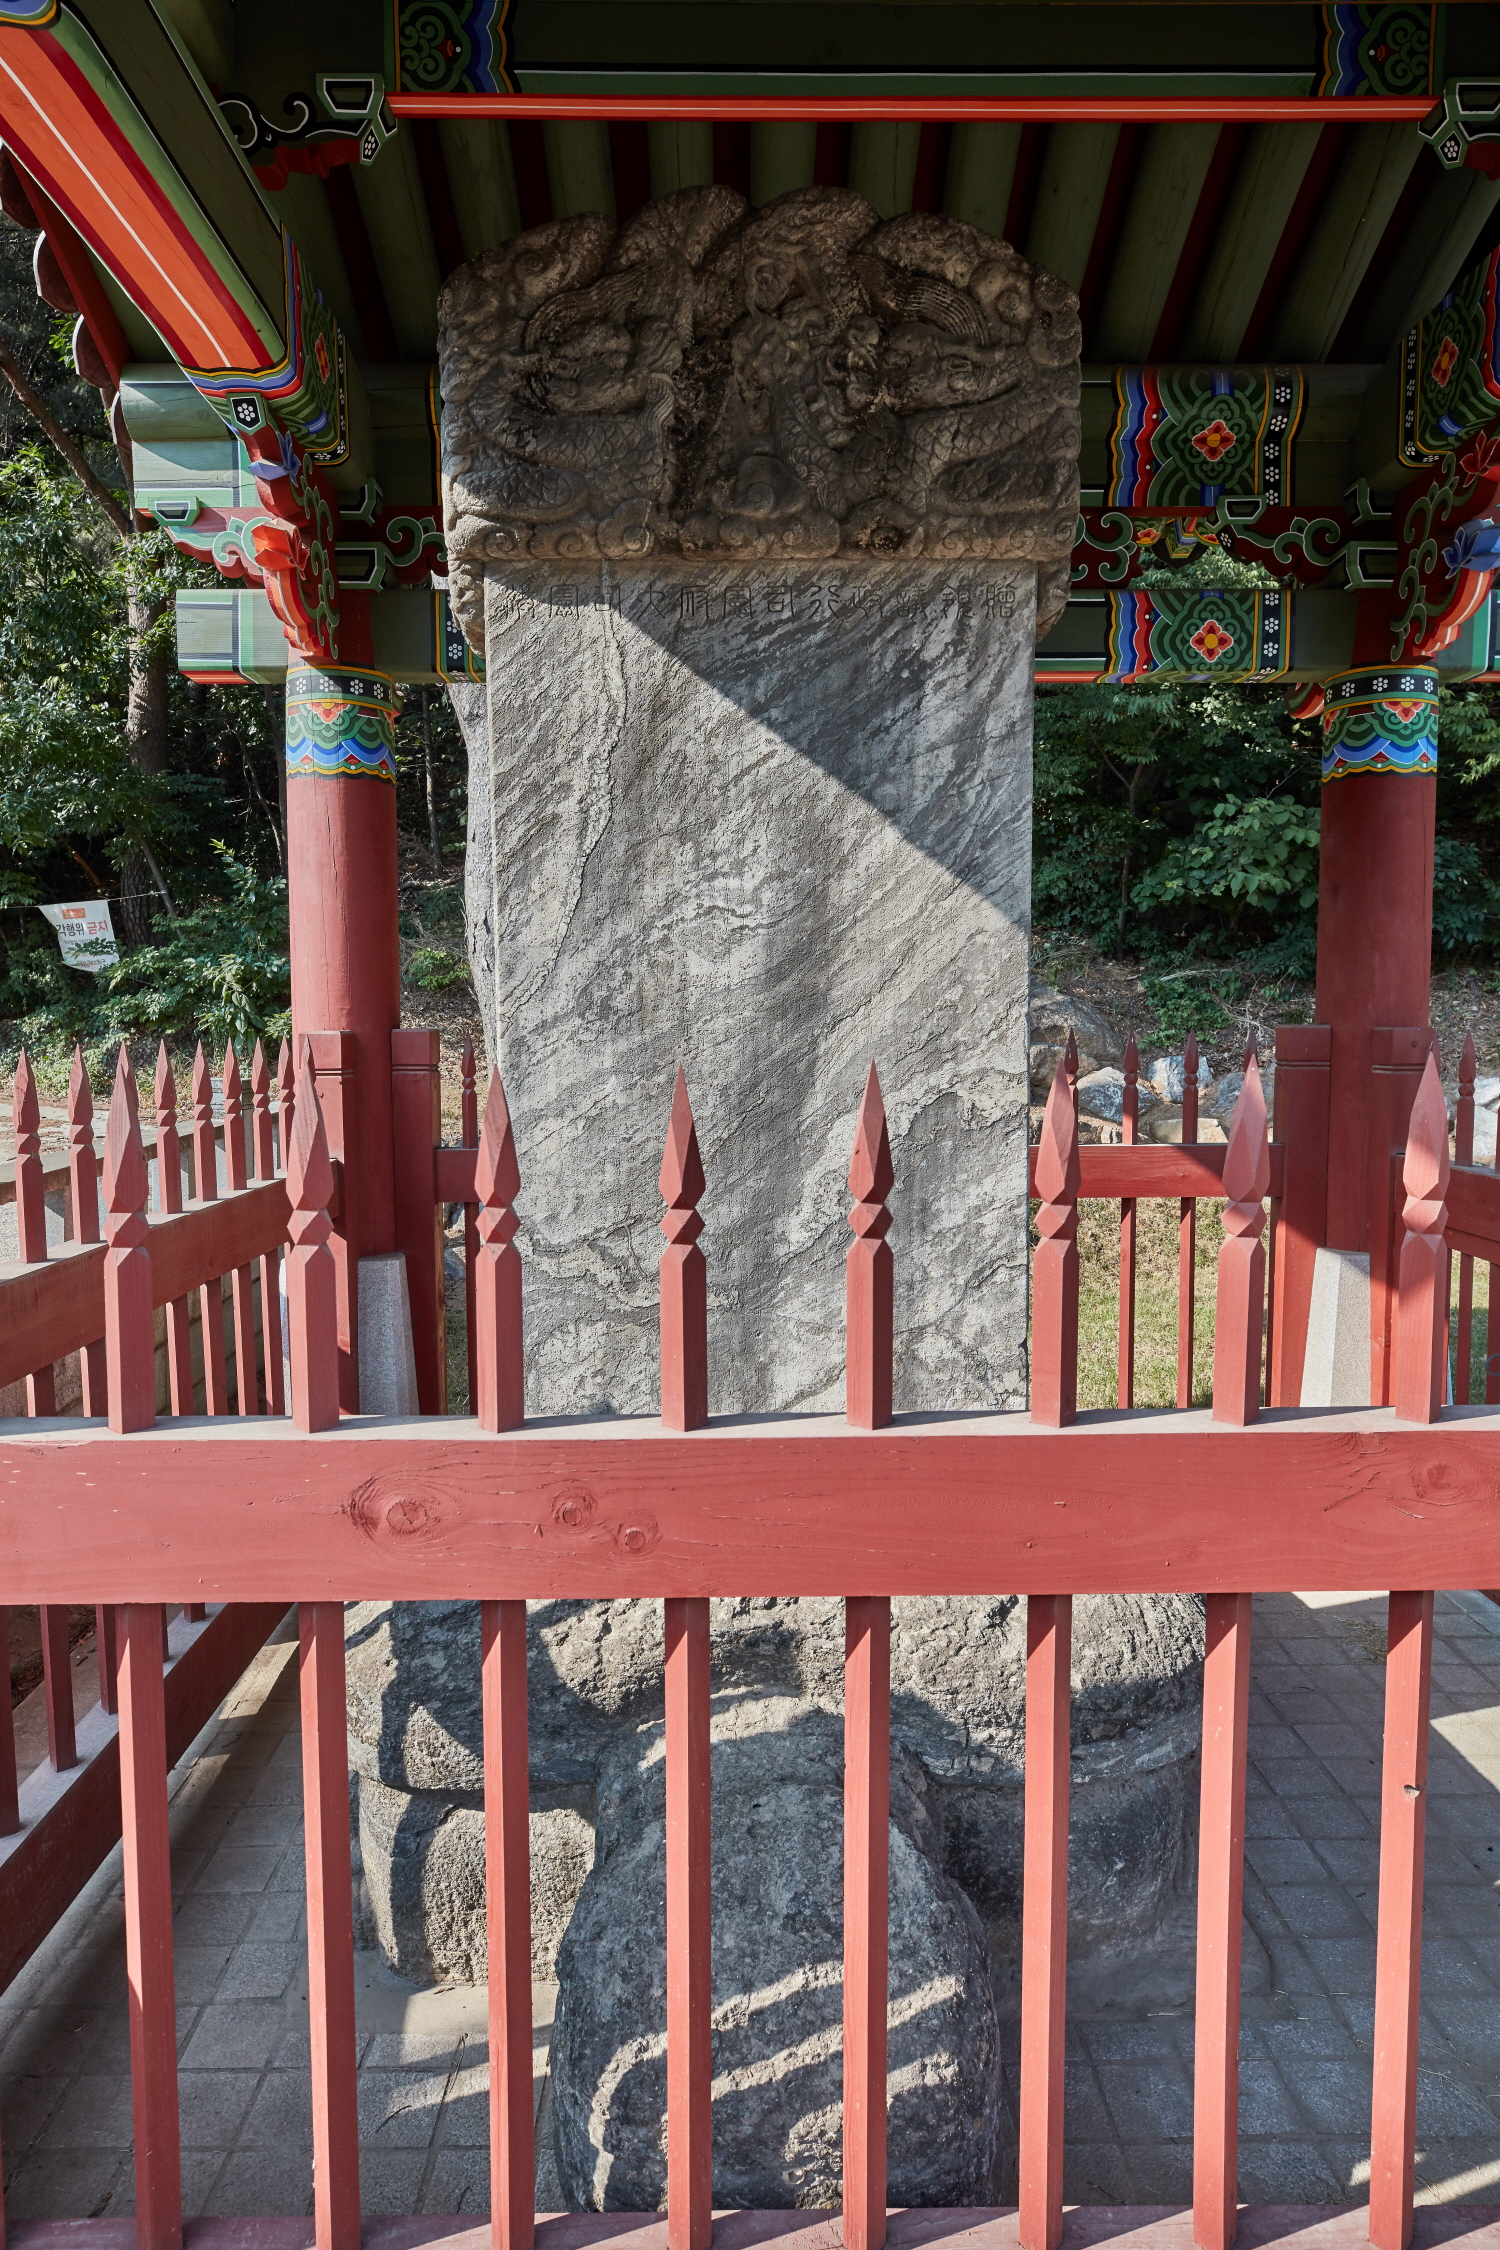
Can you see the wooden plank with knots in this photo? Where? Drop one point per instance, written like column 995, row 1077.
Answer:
column 427, row 1510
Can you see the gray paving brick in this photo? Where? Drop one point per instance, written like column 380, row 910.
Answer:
column 1286, row 2171
column 273, row 2183
column 459, row 2182
column 1266, row 2108
column 399, row 2108
column 1448, row 2106
column 261, row 1972
column 214, row 2105
column 1095, row 2172
column 75, row 2184
column 93, row 2113
column 1463, row 1908
column 1344, row 1965
column 1321, row 2037
column 1318, row 1910
column 1291, row 1861
column 1147, row 2100
column 237, row 1868
column 242, row 2035
column 1335, row 2093
column 211, row 1919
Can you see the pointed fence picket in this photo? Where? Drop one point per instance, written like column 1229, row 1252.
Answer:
column 854, row 1508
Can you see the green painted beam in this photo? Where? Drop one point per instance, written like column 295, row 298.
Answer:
column 1429, row 260
column 682, row 155
column 782, row 158
column 883, row 165
column 302, row 207
column 1070, row 197
column 578, row 168
column 483, row 176
column 1001, row 35
column 981, row 169
column 1354, row 215
column 206, row 29
column 1168, row 183
column 395, row 215
column 1265, row 188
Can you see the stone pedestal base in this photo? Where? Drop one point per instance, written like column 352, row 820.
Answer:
column 1336, row 1368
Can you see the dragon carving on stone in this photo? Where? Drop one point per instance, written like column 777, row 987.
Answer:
column 794, row 382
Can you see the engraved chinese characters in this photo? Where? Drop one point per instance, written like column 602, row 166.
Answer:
column 793, row 383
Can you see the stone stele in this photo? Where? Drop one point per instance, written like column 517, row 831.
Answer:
column 755, row 517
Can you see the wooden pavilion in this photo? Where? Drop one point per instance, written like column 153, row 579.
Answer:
column 1283, row 225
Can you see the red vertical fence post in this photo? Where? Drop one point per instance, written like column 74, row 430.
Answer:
column 211, row 1293
column 1044, row 1917
column 689, row 1928
column 1187, row 1231
column 507, row 1860
column 169, row 1199
column 500, row 1398
column 83, row 1181
column 869, row 1269
column 1240, row 1300
column 1399, row 1057
column 286, row 1104
column 148, row 1928
column 1221, row 1887
column 469, row 1138
column 683, row 1274
column 1130, row 1110
column 330, row 1925
column 107, row 1630
column 1398, row 1938
column 270, row 1264
column 1422, row 1314
column 129, row 1329
column 31, row 1209
column 1302, row 1082
column 1054, row 1272
column 1070, row 1064
column 867, row 1800
column 1463, row 1153
column 311, row 1283
column 242, row 1285
column 335, row 1073
column 57, row 1688
column 416, row 1130
column 10, row 1806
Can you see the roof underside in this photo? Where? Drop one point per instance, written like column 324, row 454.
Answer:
column 1301, row 241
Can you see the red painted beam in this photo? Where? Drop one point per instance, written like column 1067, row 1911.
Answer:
column 428, row 1510
column 48, row 1868
column 49, row 1310
column 927, row 109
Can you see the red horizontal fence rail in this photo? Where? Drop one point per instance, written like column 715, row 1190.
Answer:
column 322, row 1510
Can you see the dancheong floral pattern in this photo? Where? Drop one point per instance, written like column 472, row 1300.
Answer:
column 1212, row 640
column 1214, row 442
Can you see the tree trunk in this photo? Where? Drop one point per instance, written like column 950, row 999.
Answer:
column 142, row 890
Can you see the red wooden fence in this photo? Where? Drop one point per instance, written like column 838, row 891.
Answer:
column 320, row 1510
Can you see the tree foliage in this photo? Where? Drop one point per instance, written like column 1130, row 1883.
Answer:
column 1183, row 820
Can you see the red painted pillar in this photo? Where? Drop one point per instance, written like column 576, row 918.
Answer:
column 1374, row 902
column 341, row 862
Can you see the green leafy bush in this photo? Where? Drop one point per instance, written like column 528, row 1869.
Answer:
column 1261, row 853
column 434, row 968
